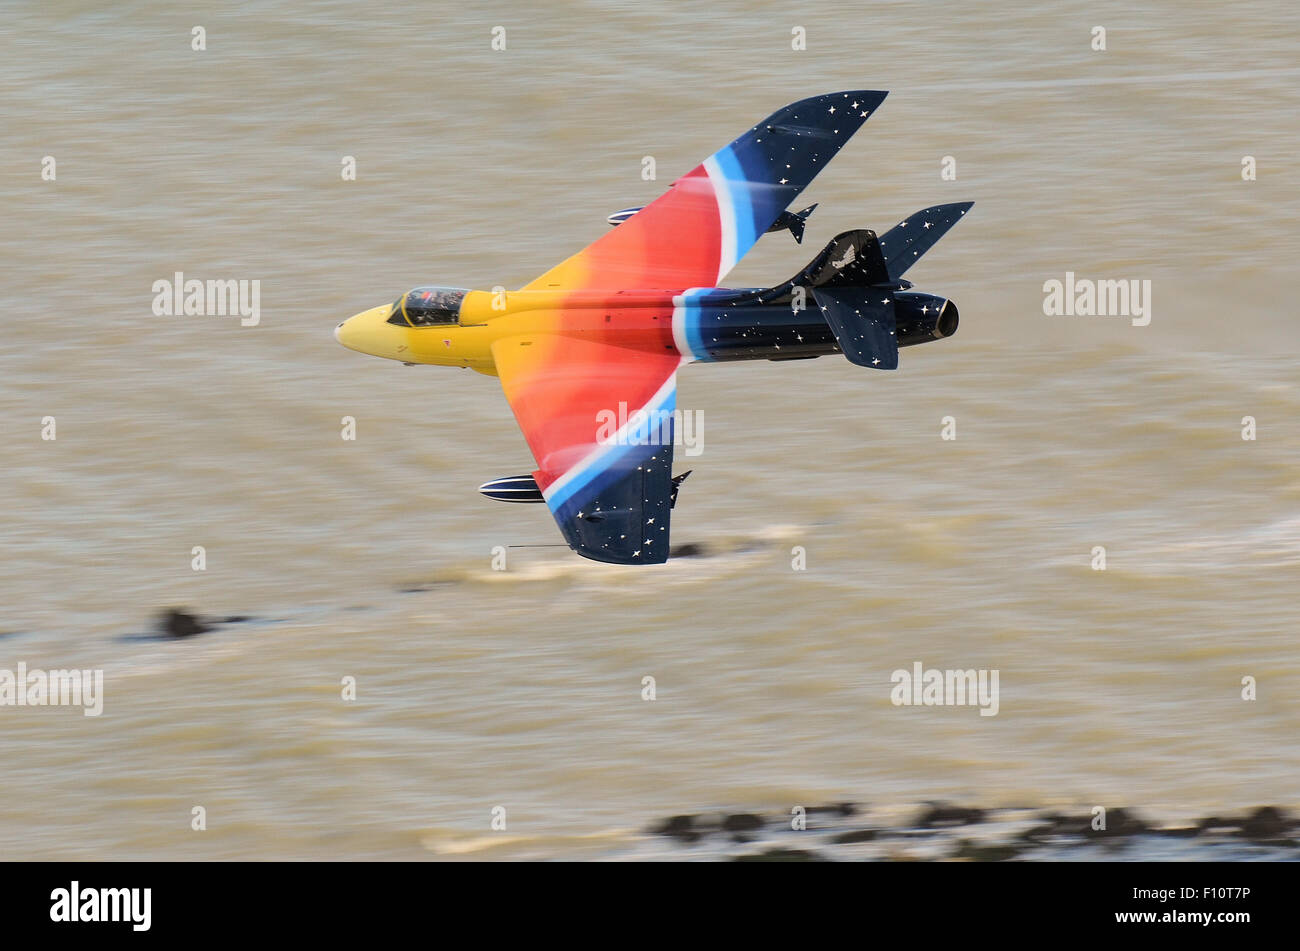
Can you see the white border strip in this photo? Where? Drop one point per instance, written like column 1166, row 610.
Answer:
column 593, row 459
column 726, row 216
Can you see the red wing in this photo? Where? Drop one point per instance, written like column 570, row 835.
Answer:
column 694, row 234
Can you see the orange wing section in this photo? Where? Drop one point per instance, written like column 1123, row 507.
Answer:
column 675, row 242
column 599, row 420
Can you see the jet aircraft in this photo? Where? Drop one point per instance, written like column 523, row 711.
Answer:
column 605, row 331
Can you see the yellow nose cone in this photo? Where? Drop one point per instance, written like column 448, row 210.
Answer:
column 369, row 332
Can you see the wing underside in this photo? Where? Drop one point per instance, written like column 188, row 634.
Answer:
column 598, row 419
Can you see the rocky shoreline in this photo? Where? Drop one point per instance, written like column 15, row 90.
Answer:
column 946, row 832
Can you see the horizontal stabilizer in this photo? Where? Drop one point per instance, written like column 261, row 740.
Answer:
column 862, row 320
column 904, row 243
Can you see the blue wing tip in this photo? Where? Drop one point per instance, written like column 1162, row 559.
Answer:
column 866, row 99
column 872, row 97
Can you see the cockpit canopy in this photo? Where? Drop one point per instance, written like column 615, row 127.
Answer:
column 428, row 307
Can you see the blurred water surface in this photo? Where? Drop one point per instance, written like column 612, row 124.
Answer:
column 371, row 559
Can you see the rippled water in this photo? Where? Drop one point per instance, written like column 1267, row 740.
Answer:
column 372, row 559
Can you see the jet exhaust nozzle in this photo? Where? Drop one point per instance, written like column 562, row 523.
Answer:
column 923, row 317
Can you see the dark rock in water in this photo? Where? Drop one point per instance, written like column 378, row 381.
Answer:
column 1178, row 832
column 845, row 809
column 675, row 825
column 782, row 855
column 178, row 623
column 857, row 835
column 679, row 827
column 1119, row 822
column 1265, row 823
column 742, row 822
column 749, row 837
column 688, row 550
column 1038, row 834
column 1055, row 824
column 1211, row 823
column 976, row 852
column 943, row 815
